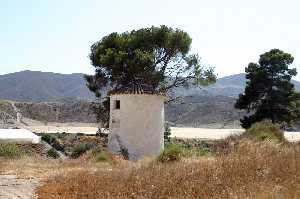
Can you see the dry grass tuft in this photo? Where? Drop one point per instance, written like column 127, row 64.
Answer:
column 249, row 170
column 1, row 166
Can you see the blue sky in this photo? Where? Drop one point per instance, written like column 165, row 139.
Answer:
column 56, row 35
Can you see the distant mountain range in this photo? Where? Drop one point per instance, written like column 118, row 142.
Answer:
column 45, row 86
column 212, row 106
column 230, row 86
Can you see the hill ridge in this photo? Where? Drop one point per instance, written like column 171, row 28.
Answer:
column 50, row 86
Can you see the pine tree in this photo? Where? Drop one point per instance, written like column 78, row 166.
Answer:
column 269, row 93
column 159, row 57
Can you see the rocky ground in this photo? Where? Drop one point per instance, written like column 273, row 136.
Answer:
column 12, row 187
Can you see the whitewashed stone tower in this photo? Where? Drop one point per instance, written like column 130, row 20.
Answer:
column 136, row 121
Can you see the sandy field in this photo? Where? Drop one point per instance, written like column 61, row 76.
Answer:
column 61, row 129
column 180, row 132
column 212, row 134
column 292, row 136
column 12, row 187
column 203, row 133
column 72, row 127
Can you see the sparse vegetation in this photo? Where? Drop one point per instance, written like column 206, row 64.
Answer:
column 73, row 145
column 203, row 151
column 240, row 166
column 10, row 150
column 52, row 153
column 266, row 130
column 172, row 152
column 98, row 154
column 81, row 148
column 101, row 156
column 52, row 139
column 251, row 169
column 196, row 147
column 48, row 138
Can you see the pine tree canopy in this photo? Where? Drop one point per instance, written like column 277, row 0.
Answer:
column 269, row 93
column 156, row 56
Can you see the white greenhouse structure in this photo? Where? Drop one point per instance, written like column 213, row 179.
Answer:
column 18, row 135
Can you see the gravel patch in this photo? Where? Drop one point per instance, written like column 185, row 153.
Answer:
column 12, row 187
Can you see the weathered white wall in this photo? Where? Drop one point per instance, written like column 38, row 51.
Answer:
column 18, row 135
column 138, row 125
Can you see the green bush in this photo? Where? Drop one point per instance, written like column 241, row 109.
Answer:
column 62, row 135
column 172, row 152
column 53, row 141
column 52, row 153
column 79, row 134
column 203, row 151
column 81, row 148
column 98, row 154
column 102, row 157
column 196, row 151
column 266, row 130
column 10, row 150
column 95, row 150
column 56, row 144
column 49, row 138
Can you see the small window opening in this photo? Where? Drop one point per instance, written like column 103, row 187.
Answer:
column 117, row 104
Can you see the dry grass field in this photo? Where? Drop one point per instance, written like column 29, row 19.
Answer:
column 19, row 178
column 249, row 170
column 236, row 167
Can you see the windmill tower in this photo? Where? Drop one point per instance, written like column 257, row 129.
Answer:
column 136, row 121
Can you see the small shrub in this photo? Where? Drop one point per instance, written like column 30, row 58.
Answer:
column 203, row 151
column 57, row 145
column 81, row 148
column 102, row 157
column 195, row 147
column 96, row 150
column 172, row 152
column 53, row 141
column 266, row 130
column 80, row 134
column 98, row 154
column 52, row 153
column 48, row 138
column 10, row 150
column 62, row 135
